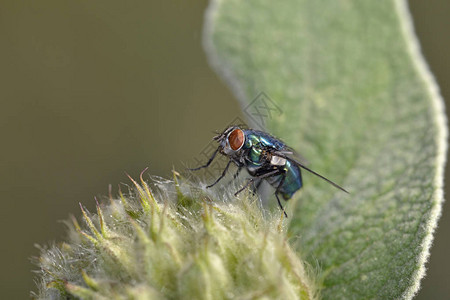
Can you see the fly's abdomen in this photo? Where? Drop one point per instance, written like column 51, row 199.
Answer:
column 291, row 183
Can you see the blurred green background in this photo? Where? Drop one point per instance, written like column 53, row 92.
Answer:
column 90, row 90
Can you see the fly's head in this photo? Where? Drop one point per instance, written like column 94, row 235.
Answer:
column 231, row 141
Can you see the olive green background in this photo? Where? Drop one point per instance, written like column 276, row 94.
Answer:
column 90, row 90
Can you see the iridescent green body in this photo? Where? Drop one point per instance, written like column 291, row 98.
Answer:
column 265, row 158
column 258, row 147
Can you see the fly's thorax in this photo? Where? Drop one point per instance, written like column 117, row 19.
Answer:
column 255, row 155
column 259, row 153
column 251, row 139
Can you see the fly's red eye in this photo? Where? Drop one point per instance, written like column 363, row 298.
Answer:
column 236, row 139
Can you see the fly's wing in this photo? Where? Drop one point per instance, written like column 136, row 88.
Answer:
column 273, row 144
column 292, row 158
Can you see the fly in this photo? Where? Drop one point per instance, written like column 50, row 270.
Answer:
column 265, row 158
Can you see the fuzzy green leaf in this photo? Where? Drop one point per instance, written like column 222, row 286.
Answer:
column 358, row 101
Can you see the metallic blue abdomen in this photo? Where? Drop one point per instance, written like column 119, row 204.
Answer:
column 292, row 182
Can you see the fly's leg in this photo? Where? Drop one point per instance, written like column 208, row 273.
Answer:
column 221, row 176
column 208, row 163
column 245, row 186
column 237, row 173
column 277, row 191
column 269, row 174
column 256, row 186
column 255, row 190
